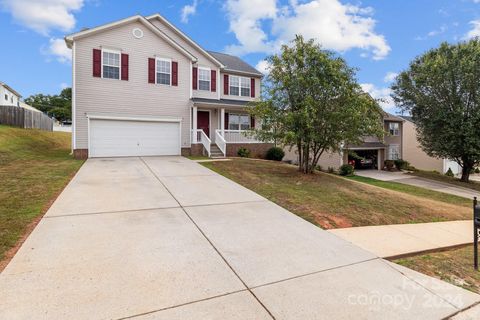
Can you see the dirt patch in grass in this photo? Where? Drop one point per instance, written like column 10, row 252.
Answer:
column 454, row 266
column 330, row 201
column 34, row 167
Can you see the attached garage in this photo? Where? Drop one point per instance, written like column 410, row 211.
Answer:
column 126, row 137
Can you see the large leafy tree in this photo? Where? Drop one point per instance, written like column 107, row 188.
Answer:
column 312, row 102
column 441, row 90
column 58, row 106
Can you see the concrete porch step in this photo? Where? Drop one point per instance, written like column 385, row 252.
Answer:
column 215, row 151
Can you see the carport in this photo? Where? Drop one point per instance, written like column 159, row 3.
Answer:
column 374, row 151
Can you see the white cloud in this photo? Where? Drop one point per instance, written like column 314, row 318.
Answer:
column 380, row 93
column 263, row 66
column 59, row 49
column 390, row 76
column 334, row 25
column 64, row 85
column 43, row 16
column 188, row 10
column 475, row 31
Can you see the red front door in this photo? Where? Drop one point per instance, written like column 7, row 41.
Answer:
column 203, row 122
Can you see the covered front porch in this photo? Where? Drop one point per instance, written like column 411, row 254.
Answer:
column 220, row 127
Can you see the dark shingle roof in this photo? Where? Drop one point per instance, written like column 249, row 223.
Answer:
column 391, row 117
column 367, row 145
column 229, row 102
column 233, row 63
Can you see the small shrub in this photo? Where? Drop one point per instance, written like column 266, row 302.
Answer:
column 346, row 170
column 435, row 171
column 331, row 170
column 275, row 153
column 401, row 164
column 477, row 170
column 389, row 164
column 243, row 152
column 449, row 173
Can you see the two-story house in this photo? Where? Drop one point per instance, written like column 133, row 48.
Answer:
column 8, row 96
column 372, row 149
column 142, row 87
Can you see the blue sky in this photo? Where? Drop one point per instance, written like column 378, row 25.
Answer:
column 376, row 36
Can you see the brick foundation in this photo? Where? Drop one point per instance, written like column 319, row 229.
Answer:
column 196, row 150
column 257, row 150
column 81, row 154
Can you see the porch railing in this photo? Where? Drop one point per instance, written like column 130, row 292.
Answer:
column 199, row 136
column 239, row 136
column 220, row 142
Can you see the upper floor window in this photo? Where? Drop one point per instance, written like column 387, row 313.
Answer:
column 164, row 71
column 238, row 121
column 239, row 86
column 394, row 128
column 6, row 97
column 110, row 65
column 204, row 79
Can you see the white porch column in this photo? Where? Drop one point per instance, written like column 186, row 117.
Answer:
column 194, row 124
column 222, row 121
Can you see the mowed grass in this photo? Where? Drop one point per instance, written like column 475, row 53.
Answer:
column 34, row 167
column 454, row 266
column 330, row 201
column 446, row 179
column 416, row 191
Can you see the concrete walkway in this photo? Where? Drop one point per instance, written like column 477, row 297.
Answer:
column 165, row 238
column 401, row 177
column 402, row 239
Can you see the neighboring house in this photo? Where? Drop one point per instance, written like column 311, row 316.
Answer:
column 373, row 149
column 413, row 153
column 22, row 104
column 142, row 87
column 8, row 96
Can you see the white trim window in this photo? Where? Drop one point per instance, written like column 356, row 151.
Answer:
column 163, row 71
column 239, row 86
column 204, row 79
column 394, row 128
column 111, row 64
column 238, row 121
column 393, row 152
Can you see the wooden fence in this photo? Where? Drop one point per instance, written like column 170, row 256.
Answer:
column 24, row 118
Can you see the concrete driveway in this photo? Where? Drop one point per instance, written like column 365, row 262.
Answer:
column 165, row 238
column 418, row 182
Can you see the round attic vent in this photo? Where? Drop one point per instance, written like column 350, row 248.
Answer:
column 137, row 33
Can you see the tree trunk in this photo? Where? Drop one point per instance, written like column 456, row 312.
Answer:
column 466, row 169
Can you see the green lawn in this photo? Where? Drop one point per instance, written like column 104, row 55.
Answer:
column 415, row 191
column 454, row 266
column 446, row 179
column 330, row 201
column 34, row 167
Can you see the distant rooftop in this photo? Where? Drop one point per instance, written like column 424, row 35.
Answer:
column 233, row 63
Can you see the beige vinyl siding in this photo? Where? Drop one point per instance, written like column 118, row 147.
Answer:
column 203, row 61
column 257, row 89
column 327, row 160
column 414, row 154
column 135, row 97
column 393, row 140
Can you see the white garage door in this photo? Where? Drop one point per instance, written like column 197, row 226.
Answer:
column 122, row 138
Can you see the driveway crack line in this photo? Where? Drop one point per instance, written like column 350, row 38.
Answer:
column 209, row 241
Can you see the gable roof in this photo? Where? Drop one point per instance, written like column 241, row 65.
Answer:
column 391, row 117
column 235, row 64
column 186, row 38
column 137, row 18
column 6, row 86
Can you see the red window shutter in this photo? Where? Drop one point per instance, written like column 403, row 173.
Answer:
column 124, row 59
column 174, row 73
column 194, row 78
column 252, row 122
column 226, row 121
column 225, row 84
column 97, row 62
column 151, row 70
column 252, row 87
column 213, row 82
